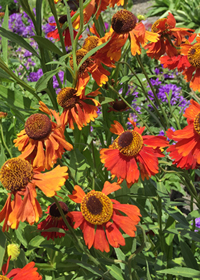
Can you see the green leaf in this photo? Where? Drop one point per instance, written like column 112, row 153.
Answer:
column 115, row 272
column 17, row 39
column 120, row 256
column 43, row 81
column 2, row 247
column 148, row 272
column 39, row 16
column 188, row 256
column 4, row 40
column 182, row 271
column 36, row 241
column 104, row 100
column 47, row 44
column 2, row 155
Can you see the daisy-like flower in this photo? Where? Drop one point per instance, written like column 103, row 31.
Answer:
column 100, row 218
column 124, row 24
column 92, row 65
column 28, row 271
column 169, row 34
column 55, row 34
column 192, row 71
column 186, row 151
column 42, row 141
column 20, row 178
column 76, row 107
column 95, row 7
column 178, row 61
column 130, row 148
column 54, row 220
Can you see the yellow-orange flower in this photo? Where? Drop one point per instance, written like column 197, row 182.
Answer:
column 42, row 141
column 100, row 218
column 76, row 107
column 124, row 24
column 20, row 178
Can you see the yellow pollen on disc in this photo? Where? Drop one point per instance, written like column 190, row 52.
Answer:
column 96, row 208
column 38, row 126
column 123, row 21
column 66, row 98
column 154, row 28
column 194, row 55
column 15, row 174
column 129, row 143
column 4, row 277
column 197, row 124
column 79, row 56
column 90, row 43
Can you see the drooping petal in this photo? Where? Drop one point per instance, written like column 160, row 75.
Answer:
column 77, row 195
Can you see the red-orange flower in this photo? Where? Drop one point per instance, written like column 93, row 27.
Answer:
column 55, row 34
column 21, row 179
column 28, row 271
column 124, row 24
column 76, row 106
column 42, row 141
column 100, row 218
column 95, row 7
column 54, row 220
column 186, row 151
column 130, row 148
column 178, row 61
column 165, row 27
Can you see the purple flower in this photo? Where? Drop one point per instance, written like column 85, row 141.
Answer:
column 197, row 223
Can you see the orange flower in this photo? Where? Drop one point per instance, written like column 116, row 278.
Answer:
column 55, row 34
column 178, row 61
column 28, row 271
column 54, row 220
column 20, row 178
column 192, row 71
column 130, row 148
column 42, row 141
column 95, row 7
column 100, row 217
column 186, row 151
column 124, row 24
column 92, row 65
column 165, row 27
column 76, row 106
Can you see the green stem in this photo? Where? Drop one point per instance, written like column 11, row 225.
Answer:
column 76, row 240
column 154, row 93
column 135, row 112
column 144, row 91
column 54, row 12
column 3, row 140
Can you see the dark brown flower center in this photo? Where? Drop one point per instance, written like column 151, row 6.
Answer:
column 15, row 174
column 38, row 126
column 62, row 19
column 79, row 56
column 94, row 205
column 125, row 139
column 67, row 98
column 119, row 105
column 90, row 43
column 194, row 55
column 129, row 143
column 96, row 208
column 123, row 21
column 53, row 210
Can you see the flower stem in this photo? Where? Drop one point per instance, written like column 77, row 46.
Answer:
column 3, row 140
column 76, row 240
column 138, row 115
column 154, row 93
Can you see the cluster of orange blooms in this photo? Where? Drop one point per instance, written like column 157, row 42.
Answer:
column 131, row 155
